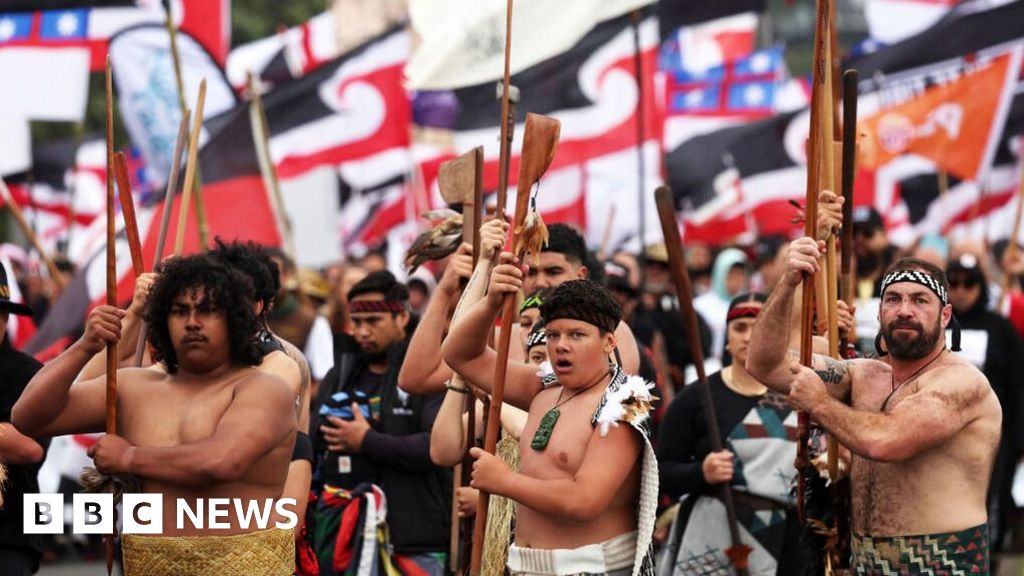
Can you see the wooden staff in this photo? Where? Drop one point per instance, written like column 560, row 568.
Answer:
column 190, row 170
column 131, row 227
column 111, row 411
column 165, row 220
column 846, row 276
column 26, row 229
column 738, row 551
column 508, row 120
column 460, row 182
column 540, row 140
column 815, row 154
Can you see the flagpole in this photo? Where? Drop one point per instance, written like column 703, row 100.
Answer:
column 197, row 185
column 641, row 183
column 261, row 140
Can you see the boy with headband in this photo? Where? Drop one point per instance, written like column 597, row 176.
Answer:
column 588, row 472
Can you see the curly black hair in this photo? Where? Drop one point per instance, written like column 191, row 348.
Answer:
column 566, row 240
column 583, row 300
column 254, row 261
column 227, row 288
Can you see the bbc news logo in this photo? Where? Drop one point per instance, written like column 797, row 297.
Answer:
column 144, row 513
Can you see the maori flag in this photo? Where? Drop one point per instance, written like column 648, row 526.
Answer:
column 592, row 90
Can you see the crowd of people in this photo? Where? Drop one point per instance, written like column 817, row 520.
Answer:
column 350, row 392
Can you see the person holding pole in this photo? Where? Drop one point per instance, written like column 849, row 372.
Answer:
column 758, row 428
column 588, row 471
column 922, row 423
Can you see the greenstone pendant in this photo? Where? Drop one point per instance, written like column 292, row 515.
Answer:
column 544, row 430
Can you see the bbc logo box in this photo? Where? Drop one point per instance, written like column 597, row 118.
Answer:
column 92, row 514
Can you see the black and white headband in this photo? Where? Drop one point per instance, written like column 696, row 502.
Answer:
column 536, row 338
column 917, row 277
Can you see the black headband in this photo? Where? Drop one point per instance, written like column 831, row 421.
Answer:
column 604, row 322
column 536, row 338
column 917, row 277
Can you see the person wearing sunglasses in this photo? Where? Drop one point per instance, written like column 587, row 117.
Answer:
column 991, row 343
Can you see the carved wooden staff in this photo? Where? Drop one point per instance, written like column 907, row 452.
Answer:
column 190, row 171
column 738, row 551
column 508, row 120
column 460, row 181
column 540, row 140
column 814, row 159
column 111, row 409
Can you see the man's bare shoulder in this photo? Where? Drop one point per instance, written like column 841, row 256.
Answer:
column 961, row 383
column 868, row 368
column 282, row 365
column 253, row 380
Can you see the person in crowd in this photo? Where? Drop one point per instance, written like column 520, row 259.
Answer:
column 20, row 456
column 186, row 431
column 923, row 424
column 757, row 428
column 372, row 439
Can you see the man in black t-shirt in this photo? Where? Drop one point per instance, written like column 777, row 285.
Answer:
column 22, row 456
column 368, row 431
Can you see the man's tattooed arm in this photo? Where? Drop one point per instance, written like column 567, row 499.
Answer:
column 833, row 371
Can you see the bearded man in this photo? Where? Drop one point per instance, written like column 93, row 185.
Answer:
column 922, row 423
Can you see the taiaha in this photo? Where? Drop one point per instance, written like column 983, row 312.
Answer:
column 131, row 227
column 738, row 551
column 508, row 120
column 165, row 220
column 111, row 411
column 820, row 90
column 190, row 171
column 540, row 140
column 461, row 182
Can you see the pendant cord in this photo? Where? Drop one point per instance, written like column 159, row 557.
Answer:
column 895, row 387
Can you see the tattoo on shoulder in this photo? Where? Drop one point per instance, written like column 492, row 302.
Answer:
column 833, row 372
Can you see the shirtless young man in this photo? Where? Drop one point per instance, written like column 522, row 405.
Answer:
column 582, row 470
column 923, row 424
column 212, row 426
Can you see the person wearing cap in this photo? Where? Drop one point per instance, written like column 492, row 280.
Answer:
column 871, row 250
column 587, row 489
column 991, row 343
column 922, row 423
column 19, row 454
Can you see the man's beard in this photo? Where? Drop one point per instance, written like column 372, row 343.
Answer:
column 914, row 348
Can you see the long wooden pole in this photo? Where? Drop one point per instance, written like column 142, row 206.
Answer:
column 508, row 124
column 738, row 551
column 849, row 169
column 190, row 171
column 131, row 226
column 111, row 376
column 820, row 89
column 540, row 139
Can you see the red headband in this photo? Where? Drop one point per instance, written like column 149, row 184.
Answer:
column 743, row 312
column 376, row 306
